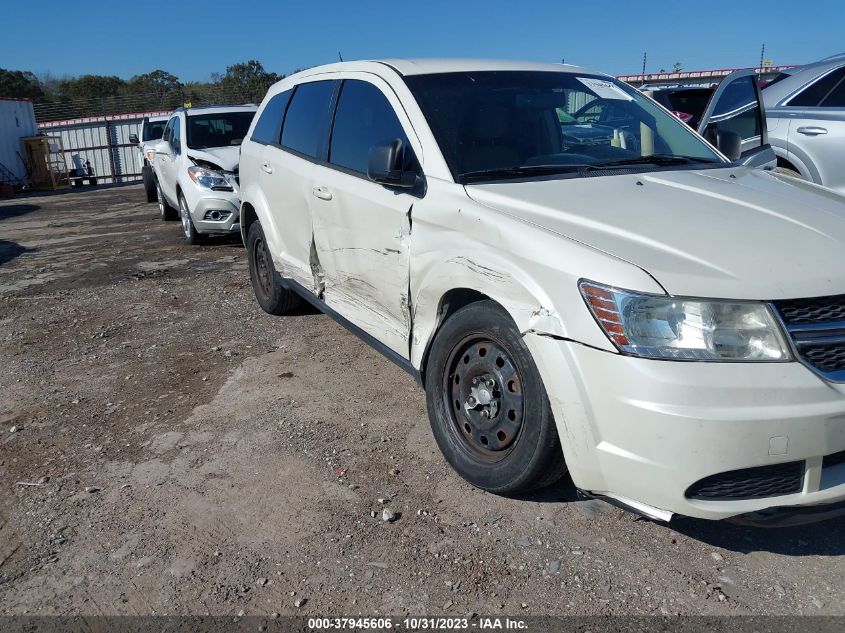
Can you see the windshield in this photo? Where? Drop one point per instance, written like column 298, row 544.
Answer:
column 153, row 130
column 217, row 130
column 499, row 120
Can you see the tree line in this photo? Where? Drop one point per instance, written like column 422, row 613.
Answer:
column 92, row 95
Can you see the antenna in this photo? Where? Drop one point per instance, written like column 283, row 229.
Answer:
column 339, row 56
column 645, row 56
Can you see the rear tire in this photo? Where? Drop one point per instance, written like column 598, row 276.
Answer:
column 193, row 237
column 165, row 211
column 149, row 183
column 270, row 294
column 488, row 409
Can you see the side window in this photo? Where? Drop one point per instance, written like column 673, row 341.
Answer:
column 819, row 93
column 168, row 130
column 836, row 97
column 176, row 136
column 269, row 124
column 364, row 118
column 307, row 117
column 738, row 110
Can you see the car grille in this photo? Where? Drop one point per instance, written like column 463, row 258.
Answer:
column 817, row 328
column 816, row 310
column 834, row 460
column 750, row 483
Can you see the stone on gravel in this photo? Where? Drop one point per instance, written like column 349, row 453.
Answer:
column 524, row 541
column 389, row 515
column 716, row 556
column 300, row 602
column 92, row 489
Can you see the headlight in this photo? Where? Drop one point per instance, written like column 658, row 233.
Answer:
column 658, row 326
column 209, row 179
column 150, row 154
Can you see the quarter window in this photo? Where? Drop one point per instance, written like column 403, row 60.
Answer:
column 270, row 122
column 307, row 117
column 364, row 118
column 824, row 92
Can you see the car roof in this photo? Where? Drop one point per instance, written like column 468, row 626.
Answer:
column 800, row 77
column 422, row 66
column 218, row 109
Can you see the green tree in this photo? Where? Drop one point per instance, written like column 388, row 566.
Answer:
column 20, row 84
column 156, row 82
column 247, row 81
column 92, row 87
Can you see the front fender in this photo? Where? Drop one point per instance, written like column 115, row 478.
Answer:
column 531, row 272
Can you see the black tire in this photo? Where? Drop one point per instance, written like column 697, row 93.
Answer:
column 509, row 444
column 149, row 183
column 270, row 294
column 165, row 211
column 192, row 236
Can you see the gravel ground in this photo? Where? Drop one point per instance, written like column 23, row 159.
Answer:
column 168, row 448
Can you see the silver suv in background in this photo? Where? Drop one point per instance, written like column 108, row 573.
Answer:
column 805, row 109
column 196, row 169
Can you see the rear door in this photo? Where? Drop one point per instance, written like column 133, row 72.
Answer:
column 287, row 171
column 362, row 229
column 737, row 106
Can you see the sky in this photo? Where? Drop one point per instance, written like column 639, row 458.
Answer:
column 194, row 39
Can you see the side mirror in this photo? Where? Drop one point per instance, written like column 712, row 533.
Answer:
column 133, row 138
column 385, row 166
column 729, row 143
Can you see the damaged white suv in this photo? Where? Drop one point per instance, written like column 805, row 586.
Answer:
column 196, row 169
column 616, row 297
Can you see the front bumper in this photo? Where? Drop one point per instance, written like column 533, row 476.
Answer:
column 217, row 215
column 643, row 431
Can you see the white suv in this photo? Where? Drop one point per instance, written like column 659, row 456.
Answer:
column 152, row 129
column 631, row 306
column 196, row 169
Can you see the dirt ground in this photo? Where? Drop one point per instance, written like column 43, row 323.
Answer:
column 168, row 448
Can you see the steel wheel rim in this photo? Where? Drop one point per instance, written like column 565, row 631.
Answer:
column 186, row 218
column 486, row 403
column 262, row 267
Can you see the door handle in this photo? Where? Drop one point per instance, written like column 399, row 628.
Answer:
column 811, row 130
column 266, row 167
column 322, row 193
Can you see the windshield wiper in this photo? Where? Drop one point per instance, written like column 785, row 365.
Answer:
column 657, row 159
column 518, row 172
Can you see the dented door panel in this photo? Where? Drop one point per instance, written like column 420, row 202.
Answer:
column 286, row 179
column 361, row 238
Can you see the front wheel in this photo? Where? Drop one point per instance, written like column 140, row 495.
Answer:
column 488, row 409
column 270, row 294
column 165, row 211
column 188, row 228
column 149, row 183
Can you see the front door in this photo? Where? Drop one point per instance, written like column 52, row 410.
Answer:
column 362, row 229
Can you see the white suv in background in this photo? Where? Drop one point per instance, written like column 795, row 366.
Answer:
column 196, row 169
column 152, row 129
column 664, row 323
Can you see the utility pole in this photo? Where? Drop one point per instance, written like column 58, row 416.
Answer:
column 645, row 56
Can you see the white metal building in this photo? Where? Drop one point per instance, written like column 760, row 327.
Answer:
column 17, row 119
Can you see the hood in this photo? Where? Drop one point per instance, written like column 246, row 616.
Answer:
column 226, row 157
column 732, row 233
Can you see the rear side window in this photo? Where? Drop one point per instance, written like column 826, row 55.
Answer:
column 270, row 122
column 364, row 118
column 820, row 92
column 307, row 118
